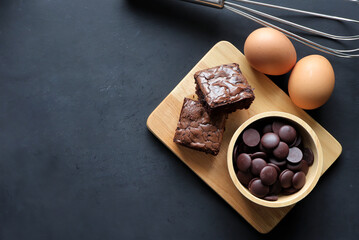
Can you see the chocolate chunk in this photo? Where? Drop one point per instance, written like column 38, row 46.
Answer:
column 244, row 162
column 197, row 129
column 251, row 137
column 268, row 175
column 257, row 165
column 270, row 140
column 244, row 177
column 295, row 155
column 281, row 151
column 223, row 88
column 285, row 178
column 308, row 156
column 287, row 134
column 257, row 188
column 262, row 155
column 298, row 180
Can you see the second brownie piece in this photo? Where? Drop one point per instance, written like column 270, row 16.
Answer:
column 223, row 88
column 199, row 130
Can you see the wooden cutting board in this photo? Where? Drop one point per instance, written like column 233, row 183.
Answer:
column 213, row 169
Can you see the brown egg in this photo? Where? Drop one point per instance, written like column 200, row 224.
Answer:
column 311, row 82
column 270, row 51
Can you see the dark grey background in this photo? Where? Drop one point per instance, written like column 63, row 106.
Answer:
column 78, row 79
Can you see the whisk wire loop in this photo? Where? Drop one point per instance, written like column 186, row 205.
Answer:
column 234, row 6
column 317, row 46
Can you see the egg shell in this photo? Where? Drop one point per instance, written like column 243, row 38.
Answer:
column 311, row 82
column 269, row 51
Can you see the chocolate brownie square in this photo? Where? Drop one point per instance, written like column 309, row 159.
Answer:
column 198, row 129
column 223, row 88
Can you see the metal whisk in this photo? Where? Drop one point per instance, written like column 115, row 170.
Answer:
column 243, row 11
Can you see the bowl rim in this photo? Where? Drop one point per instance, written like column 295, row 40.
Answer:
column 298, row 195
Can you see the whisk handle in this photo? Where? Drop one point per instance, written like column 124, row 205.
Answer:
column 210, row 3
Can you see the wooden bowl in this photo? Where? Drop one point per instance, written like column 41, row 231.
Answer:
column 309, row 139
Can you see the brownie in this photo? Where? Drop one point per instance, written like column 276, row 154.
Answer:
column 198, row 129
column 223, row 89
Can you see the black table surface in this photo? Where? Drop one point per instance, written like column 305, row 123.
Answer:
column 78, row 79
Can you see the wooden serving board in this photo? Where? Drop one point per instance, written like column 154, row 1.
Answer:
column 213, row 170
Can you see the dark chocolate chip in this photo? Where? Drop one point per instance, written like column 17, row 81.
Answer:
column 281, row 145
column 281, row 151
column 305, row 167
column 298, row 141
column 267, row 128
column 288, row 191
column 275, row 166
column 251, row 137
column 235, row 152
column 285, row 178
column 295, row 167
column 243, row 148
column 275, row 188
column 244, row 162
column 271, row 198
column 244, row 177
column 293, row 143
column 270, row 140
column 257, row 165
column 268, row 175
column 263, row 149
column 259, row 155
column 280, row 164
column 251, row 181
column 276, row 125
column 308, row 156
column 257, row 188
column 287, row 134
column 298, row 180
column 295, row 155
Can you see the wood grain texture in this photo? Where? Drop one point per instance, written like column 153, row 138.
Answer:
column 213, row 170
